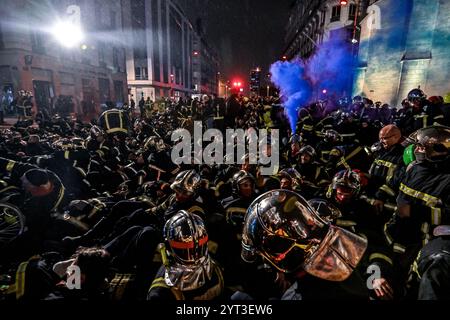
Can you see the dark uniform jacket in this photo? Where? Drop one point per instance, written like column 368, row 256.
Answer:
column 425, row 192
column 431, row 271
column 386, row 173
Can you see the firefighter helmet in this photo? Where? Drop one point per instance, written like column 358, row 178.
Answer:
column 416, row 94
column 345, row 183
column 308, row 150
column 293, row 175
column 283, row 228
column 240, row 177
column 187, row 181
column 432, row 143
column 186, row 237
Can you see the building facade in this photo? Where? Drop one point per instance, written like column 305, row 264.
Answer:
column 165, row 55
column 92, row 73
column 313, row 22
column 404, row 45
column 255, row 80
column 205, row 65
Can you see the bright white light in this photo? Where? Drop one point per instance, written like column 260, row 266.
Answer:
column 354, row 41
column 324, row 91
column 67, row 34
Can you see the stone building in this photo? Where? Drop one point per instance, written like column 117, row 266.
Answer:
column 92, row 72
column 404, row 45
column 313, row 22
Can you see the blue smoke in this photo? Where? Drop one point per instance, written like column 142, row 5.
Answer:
column 295, row 88
column 330, row 68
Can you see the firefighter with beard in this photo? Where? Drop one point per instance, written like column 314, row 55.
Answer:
column 188, row 272
column 388, row 167
column 283, row 229
column 359, row 217
column 424, row 196
column 430, row 274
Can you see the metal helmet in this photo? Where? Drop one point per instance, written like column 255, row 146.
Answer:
column 332, row 135
column 433, row 143
column 293, row 175
column 154, row 143
column 186, row 238
column 95, row 132
column 187, row 181
column 283, row 228
column 416, row 94
column 347, row 179
column 327, row 211
column 308, row 150
column 239, row 177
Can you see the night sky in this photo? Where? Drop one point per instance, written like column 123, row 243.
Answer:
column 245, row 33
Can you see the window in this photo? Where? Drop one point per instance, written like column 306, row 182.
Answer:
column 118, row 90
column 141, row 73
column 336, row 13
column 352, row 11
column 2, row 45
column 156, row 44
column 37, row 42
column 103, row 86
column 112, row 18
column 101, row 54
column 165, row 48
column 116, row 59
column 98, row 15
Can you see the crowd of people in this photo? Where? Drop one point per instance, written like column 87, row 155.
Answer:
column 358, row 207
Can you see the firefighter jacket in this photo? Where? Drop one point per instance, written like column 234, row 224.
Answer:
column 386, row 173
column 423, row 201
column 430, row 276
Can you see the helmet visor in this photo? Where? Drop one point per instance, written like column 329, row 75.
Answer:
column 285, row 254
column 337, row 256
column 189, row 252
